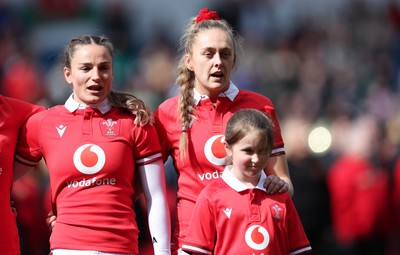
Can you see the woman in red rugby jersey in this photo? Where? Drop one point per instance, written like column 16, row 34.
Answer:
column 94, row 145
column 191, row 125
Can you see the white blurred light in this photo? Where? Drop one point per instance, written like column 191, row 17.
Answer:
column 319, row 140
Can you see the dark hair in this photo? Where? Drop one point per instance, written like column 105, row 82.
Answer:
column 127, row 102
column 185, row 77
column 246, row 120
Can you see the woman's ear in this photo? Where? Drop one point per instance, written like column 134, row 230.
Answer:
column 188, row 62
column 67, row 75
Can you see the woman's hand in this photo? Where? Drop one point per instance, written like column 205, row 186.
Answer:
column 51, row 220
column 275, row 184
column 278, row 178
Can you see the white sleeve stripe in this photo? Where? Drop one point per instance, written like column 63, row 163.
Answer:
column 300, row 251
column 151, row 158
column 196, row 249
column 277, row 150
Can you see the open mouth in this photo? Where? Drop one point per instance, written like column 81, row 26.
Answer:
column 217, row 75
column 95, row 88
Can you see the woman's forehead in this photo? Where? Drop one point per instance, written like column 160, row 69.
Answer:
column 213, row 38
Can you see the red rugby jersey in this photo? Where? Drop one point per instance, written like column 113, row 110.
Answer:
column 91, row 158
column 230, row 218
column 205, row 156
column 13, row 114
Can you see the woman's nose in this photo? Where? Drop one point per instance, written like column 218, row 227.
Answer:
column 95, row 74
column 217, row 60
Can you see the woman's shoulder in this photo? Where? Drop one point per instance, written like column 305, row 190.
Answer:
column 252, row 94
column 169, row 106
column 168, row 103
column 51, row 111
column 253, row 98
column 12, row 109
column 19, row 104
column 54, row 109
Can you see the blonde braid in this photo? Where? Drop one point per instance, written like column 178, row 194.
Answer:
column 186, row 104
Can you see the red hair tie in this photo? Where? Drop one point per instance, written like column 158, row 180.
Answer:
column 206, row 14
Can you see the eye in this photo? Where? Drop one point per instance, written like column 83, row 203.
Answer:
column 248, row 151
column 226, row 53
column 85, row 68
column 105, row 68
column 208, row 54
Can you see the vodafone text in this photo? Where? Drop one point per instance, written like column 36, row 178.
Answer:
column 208, row 176
column 91, row 182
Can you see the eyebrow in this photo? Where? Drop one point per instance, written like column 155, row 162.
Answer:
column 210, row 47
column 90, row 63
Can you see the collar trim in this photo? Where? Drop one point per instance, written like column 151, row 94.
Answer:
column 237, row 185
column 230, row 93
column 71, row 105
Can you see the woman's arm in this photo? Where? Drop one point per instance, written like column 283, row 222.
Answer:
column 278, row 167
column 19, row 170
column 154, row 188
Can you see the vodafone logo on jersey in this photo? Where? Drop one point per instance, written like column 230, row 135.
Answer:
column 257, row 237
column 214, row 150
column 89, row 159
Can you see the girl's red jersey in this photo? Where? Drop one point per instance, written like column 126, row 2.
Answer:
column 230, row 218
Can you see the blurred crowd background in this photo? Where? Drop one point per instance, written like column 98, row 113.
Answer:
column 330, row 66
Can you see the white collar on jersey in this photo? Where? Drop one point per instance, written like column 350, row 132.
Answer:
column 72, row 105
column 237, row 185
column 230, row 93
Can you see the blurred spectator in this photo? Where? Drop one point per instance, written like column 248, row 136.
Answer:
column 155, row 70
column 392, row 227
column 60, row 9
column 115, row 24
column 358, row 192
column 21, row 79
column 308, row 173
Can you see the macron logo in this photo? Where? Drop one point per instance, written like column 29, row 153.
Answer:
column 228, row 212
column 61, row 129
